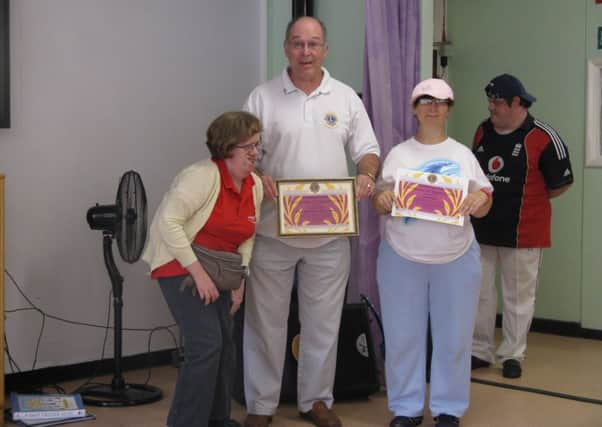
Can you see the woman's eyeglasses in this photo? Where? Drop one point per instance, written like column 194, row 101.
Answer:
column 250, row 147
column 432, row 101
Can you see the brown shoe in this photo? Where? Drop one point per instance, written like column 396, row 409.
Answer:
column 253, row 420
column 321, row 416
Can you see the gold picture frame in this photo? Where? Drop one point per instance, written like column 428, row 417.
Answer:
column 429, row 196
column 317, row 207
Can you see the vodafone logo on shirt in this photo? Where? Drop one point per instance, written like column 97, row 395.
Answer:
column 495, row 164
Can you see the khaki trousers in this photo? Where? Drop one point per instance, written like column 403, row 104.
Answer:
column 321, row 275
column 519, row 270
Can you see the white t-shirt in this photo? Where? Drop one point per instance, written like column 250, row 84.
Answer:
column 306, row 136
column 427, row 241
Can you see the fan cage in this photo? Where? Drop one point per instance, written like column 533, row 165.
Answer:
column 130, row 233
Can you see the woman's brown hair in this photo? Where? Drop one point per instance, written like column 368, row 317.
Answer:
column 230, row 129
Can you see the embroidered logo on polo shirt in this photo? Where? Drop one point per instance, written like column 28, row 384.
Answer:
column 331, row 120
column 495, row 164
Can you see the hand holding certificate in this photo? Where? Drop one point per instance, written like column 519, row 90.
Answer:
column 317, row 208
column 429, row 196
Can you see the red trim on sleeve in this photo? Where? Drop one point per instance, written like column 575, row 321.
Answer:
column 478, row 137
column 535, row 210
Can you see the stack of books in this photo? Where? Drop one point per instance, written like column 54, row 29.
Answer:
column 45, row 410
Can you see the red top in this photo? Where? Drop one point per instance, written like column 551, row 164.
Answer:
column 231, row 222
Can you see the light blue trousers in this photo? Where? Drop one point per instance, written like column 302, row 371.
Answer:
column 409, row 293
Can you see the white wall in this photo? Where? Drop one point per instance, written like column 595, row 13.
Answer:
column 100, row 87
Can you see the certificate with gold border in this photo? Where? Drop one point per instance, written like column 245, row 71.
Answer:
column 429, row 196
column 317, row 207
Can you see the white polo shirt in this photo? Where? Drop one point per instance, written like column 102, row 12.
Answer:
column 306, row 136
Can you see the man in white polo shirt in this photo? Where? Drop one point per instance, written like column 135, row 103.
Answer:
column 310, row 120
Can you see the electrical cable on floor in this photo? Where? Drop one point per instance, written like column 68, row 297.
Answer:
column 13, row 364
column 537, row 391
column 104, row 343
column 33, row 307
column 175, row 342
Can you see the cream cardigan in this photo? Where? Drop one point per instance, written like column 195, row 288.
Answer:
column 183, row 212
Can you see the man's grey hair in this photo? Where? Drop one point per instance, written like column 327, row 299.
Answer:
column 294, row 21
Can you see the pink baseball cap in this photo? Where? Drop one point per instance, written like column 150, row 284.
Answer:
column 437, row 88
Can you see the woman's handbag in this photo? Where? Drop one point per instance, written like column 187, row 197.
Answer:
column 224, row 268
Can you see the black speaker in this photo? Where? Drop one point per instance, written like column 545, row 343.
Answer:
column 356, row 374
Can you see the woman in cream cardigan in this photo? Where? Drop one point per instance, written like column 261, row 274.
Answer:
column 213, row 203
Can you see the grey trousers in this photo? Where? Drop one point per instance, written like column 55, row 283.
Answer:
column 204, row 384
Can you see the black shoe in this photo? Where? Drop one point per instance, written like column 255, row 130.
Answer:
column 476, row 363
column 512, row 369
column 445, row 420
column 400, row 421
column 224, row 423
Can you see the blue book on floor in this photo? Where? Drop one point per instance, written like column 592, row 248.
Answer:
column 48, row 422
column 35, row 406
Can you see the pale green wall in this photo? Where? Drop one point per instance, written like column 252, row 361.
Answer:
column 592, row 203
column 544, row 44
column 426, row 39
column 279, row 14
column 346, row 42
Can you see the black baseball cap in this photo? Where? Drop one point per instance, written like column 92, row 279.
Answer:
column 507, row 86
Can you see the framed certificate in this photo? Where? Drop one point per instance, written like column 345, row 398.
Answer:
column 317, row 207
column 429, row 196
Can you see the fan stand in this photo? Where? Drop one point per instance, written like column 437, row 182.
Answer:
column 118, row 393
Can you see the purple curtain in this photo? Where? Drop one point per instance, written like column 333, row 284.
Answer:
column 391, row 70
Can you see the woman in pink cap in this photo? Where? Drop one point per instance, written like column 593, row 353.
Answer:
column 429, row 267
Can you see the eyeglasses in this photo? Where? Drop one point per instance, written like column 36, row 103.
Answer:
column 250, row 147
column 300, row 45
column 432, row 101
